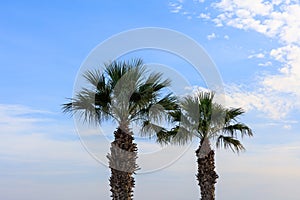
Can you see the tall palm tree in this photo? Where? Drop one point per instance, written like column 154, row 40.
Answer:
column 124, row 92
column 200, row 117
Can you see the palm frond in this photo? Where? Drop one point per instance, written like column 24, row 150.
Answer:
column 95, row 78
column 232, row 114
column 243, row 129
column 150, row 129
column 190, row 109
column 156, row 81
column 176, row 136
column 83, row 104
column 116, row 70
column 229, row 142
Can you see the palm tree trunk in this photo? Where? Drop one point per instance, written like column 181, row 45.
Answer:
column 207, row 177
column 122, row 162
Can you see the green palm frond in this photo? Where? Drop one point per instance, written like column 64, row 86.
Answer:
column 151, row 129
column 232, row 114
column 116, row 70
column 229, row 142
column 190, row 109
column 83, row 104
column 95, row 78
column 163, row 136
column 156, row 82
column 243, row 129
column 177, row 135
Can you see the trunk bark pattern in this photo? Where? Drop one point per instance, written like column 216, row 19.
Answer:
column 207, row 177
column 122, row 162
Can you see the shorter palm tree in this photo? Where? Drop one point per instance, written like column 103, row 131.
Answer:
column 200, row 117
column 123, row 92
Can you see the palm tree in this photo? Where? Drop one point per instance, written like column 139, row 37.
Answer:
column 200, row 117
column 124, row 92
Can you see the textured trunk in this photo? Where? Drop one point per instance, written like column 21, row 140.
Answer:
column 207, row 177
column 122, row 161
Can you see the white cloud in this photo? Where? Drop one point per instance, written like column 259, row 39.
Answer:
column 226, row 37
column 238, row 96
column 15, row 118
column 279, row 20
column 195, row 89
column 266, row 64
column 23, row 136
column 268, row 102
column 273, row 22
column 260, row 55
column 199, row 1
column 175, row 7
column 211, row 36
column 288, row 79
column 275, row 19
column 204, row 16
column 218, row 22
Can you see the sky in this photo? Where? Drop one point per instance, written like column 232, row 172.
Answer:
column 255, row 46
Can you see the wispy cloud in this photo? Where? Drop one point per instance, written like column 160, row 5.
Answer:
column 275, row 93
column 29, row 135
column 266, row 64
column 274, row 19
column 259, row 55
column 175, row 7
column 271, row 103
column 36, row 151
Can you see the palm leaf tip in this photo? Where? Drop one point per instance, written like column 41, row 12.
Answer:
column 67, row 107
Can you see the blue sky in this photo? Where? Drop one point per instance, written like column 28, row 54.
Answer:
column 254, row 44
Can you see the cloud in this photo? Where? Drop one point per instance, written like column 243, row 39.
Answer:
column 277, row 93
column 34, row 135
column 15, row 118
column 266, row 64
column 272, row 104
column 175, row 7
column 203, row 16
column 34, row 165
column 39, row 156
column 277, row 20
column 288, row 78
column 260, row 55
column 211, row 36
column 199, row 1
column 275, row 107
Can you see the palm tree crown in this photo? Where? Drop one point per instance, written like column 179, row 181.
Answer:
column 198, row 116
column 122, row 93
